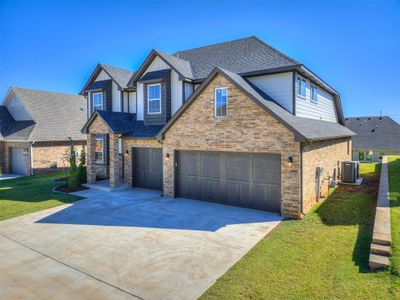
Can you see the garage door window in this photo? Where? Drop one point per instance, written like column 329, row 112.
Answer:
column 221, row 102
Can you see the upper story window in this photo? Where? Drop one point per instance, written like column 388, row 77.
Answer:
column 154, row 98
column 221, row 102
column 314, row 93
column 301, row 87
column 97, row 99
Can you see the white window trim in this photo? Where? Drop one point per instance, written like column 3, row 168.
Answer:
column 312, row 91
column 299, row 87
column 148, row 99
column 102, row 100
column 215, row 102
column 102, row 152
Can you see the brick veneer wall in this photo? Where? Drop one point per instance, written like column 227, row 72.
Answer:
column 45, row 154
column 97, row 127
column 248, row 128
column 326, row 154
column 128, row 144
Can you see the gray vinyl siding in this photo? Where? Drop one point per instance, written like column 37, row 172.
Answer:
column 323, row 109
column 165, row 115
column 278, row 86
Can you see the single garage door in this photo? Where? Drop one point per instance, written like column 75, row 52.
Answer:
column 17, row 161
column 239, row 179
column 147, row 168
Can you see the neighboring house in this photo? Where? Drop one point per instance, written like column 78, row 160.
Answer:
column 237, row 123
column 36, row 128
column 375, row 137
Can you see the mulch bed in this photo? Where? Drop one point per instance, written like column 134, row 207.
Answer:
column 62, row 179
column 66, row 189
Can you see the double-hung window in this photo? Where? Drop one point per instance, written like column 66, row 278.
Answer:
column 314, row 94
column 100, row 150
column 301, row 87
column 97, row 99
column 221, row 102
column 154, row 98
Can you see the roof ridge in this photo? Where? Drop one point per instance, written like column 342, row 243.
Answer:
column 15, row 88
column 276, row 50
column 107, row 65
column 212, row 45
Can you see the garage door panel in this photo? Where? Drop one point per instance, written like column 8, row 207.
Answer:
column 241, row 179
column 147, row 168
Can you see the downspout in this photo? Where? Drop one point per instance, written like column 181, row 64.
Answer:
column 31, row 153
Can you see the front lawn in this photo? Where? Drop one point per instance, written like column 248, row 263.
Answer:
column 324, row 256
column 24, row 195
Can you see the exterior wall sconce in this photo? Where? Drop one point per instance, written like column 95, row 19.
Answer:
column 167, row 156
column 26, row 151
column 290, row 161
column 126, row 152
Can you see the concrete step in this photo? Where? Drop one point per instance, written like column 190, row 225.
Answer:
column 381, row 239
column 380, row 249
column 377, row 262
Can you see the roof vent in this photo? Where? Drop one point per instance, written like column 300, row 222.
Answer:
column 369, row 118
column 373, row 130
column 358, row 119
column 380, row 118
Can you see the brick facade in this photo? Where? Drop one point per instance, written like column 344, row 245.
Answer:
column 248, row 128
column 40, row 157
column 328, row 154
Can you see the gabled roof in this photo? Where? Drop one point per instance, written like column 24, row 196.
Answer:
column 304, row 129
column 56, row 116
column 374, row 133
column 118, row 122
column 239, row 56
column 120, row 76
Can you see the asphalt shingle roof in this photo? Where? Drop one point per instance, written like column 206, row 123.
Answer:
column 56, row 116
column 118, row 122
column 238, row 56
column 144, row 131
column 120, row 76
column 374, row 133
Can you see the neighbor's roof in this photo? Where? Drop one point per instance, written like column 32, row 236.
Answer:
column 305, row 129
column 56, row 116
column 374, row 133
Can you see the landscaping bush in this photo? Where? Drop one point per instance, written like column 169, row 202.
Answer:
column 72, row 174
column 82, row 166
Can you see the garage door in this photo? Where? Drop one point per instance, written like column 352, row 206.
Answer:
column 147, row 168
column 239, row 179
column 17, row 161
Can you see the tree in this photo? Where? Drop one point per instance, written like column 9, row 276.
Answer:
column 72, row 180
column 82, row 166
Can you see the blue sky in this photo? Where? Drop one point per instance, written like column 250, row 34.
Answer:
column 352, row 45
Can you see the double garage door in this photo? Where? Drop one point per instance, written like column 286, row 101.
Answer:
column 239, row 179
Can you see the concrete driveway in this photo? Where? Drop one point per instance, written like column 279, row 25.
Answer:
column 125, row 244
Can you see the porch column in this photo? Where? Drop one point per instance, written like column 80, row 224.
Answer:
column 90, row 164
column 115, row 167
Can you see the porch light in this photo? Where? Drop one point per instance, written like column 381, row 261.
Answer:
column 290, row 161
column 126, row 152
column 167, row 156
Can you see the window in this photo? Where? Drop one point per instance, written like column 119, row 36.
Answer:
column 221, row 102
column 97, row 101
column 99, row 150
column 314, row 94
column 154, row 98
column 301, row 87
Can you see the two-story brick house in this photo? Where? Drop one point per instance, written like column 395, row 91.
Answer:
column 236, row 123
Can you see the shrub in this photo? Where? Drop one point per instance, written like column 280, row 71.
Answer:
column 82, row 166
column 72, row 177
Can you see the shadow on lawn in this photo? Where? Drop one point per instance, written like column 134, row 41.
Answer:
column 33, row 189
column 353, row 205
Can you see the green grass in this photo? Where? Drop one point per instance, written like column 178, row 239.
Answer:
column 24, row 195
column 324, row 256
column 369, row 170
column 394, row 189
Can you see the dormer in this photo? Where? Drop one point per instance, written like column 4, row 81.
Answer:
column 107, row 90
